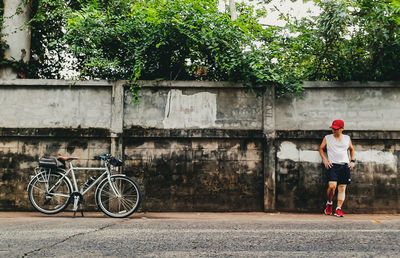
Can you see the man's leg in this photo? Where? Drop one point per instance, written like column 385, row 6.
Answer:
column 331, row 190
column 341, row 197
column 330, row 193
column 343, row 180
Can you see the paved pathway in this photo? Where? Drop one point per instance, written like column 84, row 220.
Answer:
column 199, row 235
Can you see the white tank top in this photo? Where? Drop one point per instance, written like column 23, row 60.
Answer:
column 337, row 150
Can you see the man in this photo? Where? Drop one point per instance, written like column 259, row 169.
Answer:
column 337, row 145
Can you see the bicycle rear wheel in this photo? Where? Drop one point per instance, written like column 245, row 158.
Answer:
column 49, row 192
column 124, row 205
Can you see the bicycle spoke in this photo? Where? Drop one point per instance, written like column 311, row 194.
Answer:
column 129, row 197
column 128, row 203
column 109, row 193
column 107, row 200
column 56, row 185
column 130, row 187
column 126, row 206
column 124, row 202
column 40, row 189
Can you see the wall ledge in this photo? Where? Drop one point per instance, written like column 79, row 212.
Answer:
column 354, row 134
column 140, row 132
column 350, row 84
column 191, row 133
column 54, row 132
column 54, row 83
column 192, row 84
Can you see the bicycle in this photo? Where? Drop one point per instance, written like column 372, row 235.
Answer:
column 50, row 191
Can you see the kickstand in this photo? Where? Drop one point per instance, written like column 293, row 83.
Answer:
column 74, row 216
column 76, row 205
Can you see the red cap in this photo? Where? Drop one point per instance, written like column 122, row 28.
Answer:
column 337, row 124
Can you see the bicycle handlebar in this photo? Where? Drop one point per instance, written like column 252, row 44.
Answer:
column 105, row 157
column 112, row 160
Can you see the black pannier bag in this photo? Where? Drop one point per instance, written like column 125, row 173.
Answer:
column 116, row 162
column 50, row 163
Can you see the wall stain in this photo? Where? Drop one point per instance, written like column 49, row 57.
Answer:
column 193, row 178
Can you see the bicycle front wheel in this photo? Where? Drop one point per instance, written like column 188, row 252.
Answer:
column 49, row 192
column 120, row 199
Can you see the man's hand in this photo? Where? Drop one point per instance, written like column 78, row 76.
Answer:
column 327, row 164
column 352, row 165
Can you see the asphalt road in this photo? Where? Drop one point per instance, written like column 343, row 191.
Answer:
column 199, row 235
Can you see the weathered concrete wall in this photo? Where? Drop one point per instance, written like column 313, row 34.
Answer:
column 198, row 105
column 201, row 146
column 196, row 174
column 186, row 151
column 197, row 146
column 50, row 106
column 363, row 106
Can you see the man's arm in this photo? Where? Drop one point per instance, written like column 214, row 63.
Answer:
column 323, row 155
column 352, row 153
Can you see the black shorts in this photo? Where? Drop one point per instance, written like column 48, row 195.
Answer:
column 340, row 174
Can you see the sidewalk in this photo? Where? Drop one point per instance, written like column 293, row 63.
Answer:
column 215, row 216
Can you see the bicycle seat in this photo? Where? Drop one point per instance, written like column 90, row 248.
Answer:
column 67, row 158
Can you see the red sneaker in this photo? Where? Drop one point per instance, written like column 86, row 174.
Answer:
column 328, row 209
column 339, row 213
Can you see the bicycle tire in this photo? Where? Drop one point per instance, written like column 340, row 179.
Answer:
column 56, row 200
column 119, row 207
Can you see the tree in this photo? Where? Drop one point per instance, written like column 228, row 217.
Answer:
column 156, row 39
column 355, row 40
column 192, row 40
column 13, row 17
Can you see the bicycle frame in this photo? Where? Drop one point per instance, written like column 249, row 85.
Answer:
column 74, row 183
column 72, row 169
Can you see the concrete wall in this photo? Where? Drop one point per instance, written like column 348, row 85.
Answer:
column 201, row 146
column 55, row 107
column 198, row 105
column 363, row 106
